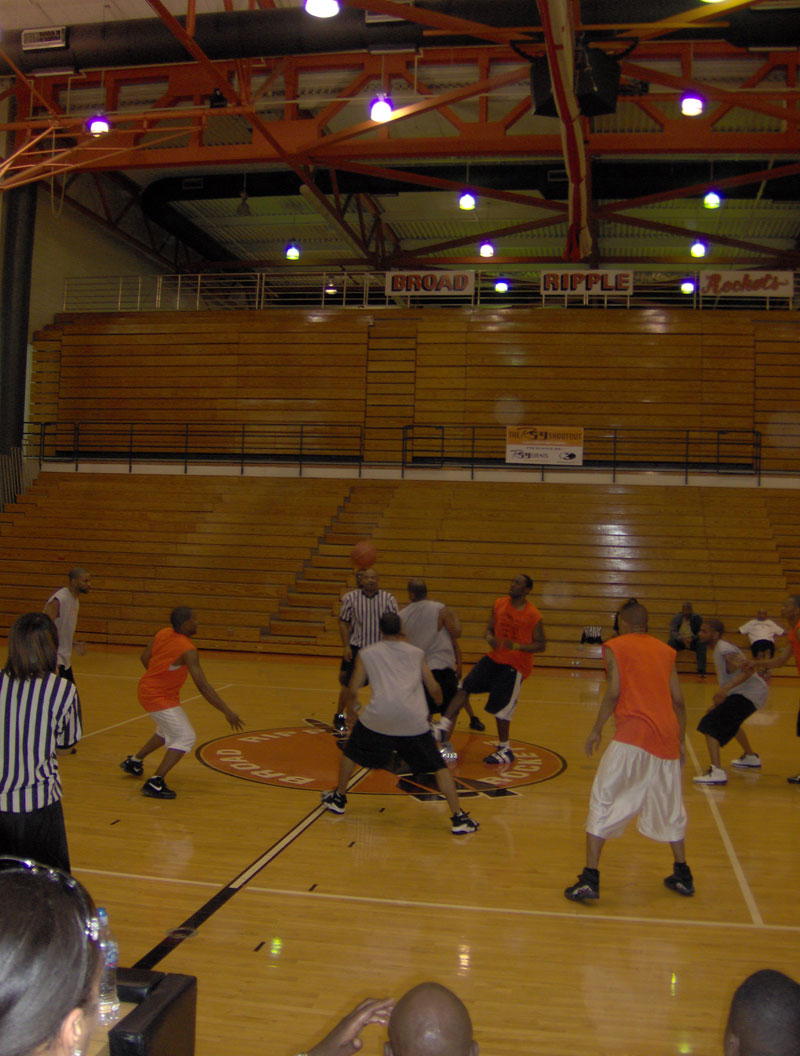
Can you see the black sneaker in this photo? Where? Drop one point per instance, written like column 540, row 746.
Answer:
column 476, row 724
column 334, row 801
column 587, row 887
column 462, row 823
column 339, row 723
column 157, row 789
column 681, row 880
column 794, row 780
column 132, row 766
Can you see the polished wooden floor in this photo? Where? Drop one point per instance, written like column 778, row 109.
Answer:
column 384, row 897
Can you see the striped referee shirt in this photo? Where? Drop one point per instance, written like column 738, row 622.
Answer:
column 363, row 614
column 37, row 715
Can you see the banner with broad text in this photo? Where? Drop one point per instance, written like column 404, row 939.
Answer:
column 430, row 283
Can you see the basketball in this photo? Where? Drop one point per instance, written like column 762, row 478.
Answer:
column 363, row 554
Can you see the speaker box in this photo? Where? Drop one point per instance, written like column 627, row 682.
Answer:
column 596, row 85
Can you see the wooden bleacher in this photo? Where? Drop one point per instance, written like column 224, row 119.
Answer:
column 642, row 370
column 265, row 560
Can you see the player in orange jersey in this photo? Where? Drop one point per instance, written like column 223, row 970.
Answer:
column 640, row 772
column 514, row 633
column 169, row 658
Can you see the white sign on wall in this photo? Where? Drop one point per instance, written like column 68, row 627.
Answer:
column 544, row 445
column 746, row 283
column 430, row 283
column 580, row 283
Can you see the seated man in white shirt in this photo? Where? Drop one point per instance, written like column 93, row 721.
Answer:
column 762, row 633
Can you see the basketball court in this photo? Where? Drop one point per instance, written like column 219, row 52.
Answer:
column 289, row 915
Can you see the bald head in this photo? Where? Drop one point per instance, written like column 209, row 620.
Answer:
column 430, row 1021
column 417, row 589
column 764, row 1019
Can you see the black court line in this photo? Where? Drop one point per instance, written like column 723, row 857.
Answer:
column 225, row 894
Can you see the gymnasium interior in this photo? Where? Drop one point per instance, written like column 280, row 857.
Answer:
column 246, row 326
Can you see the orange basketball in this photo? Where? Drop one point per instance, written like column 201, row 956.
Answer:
column 363, row 554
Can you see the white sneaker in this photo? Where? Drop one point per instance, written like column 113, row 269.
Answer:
column 747, row 762
column 715, row 775
column 448, row 752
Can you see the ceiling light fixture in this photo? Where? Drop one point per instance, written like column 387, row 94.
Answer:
column 698, row 249
column 292, row 251
column 98, row 125
column 466, row 201
column 322, row 8
column 691, row 105
column 330, row 287
column 486, row 249
column 380, row 109
column 713, row 200
column 687, row 286
column 501, row 285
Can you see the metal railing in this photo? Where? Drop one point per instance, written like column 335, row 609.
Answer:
column 297, row 288
column 719, row 451
column 17, row 473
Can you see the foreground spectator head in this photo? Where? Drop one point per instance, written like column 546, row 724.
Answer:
column 764, row 1019
column 430, row 1021
column 50, row 961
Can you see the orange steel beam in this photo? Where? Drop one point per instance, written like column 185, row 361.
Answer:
column 325, row 143
column 722, row 240
column 258, row 125
column 699, row 188
column 697, row 16
column 436, row 183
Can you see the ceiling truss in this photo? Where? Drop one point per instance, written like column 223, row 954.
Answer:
column 277, row 115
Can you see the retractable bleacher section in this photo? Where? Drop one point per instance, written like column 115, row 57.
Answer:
column 264, row 560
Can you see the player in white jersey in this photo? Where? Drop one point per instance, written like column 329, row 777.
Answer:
column 395, row 720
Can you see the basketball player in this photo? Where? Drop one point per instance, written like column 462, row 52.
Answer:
column 395, row 720
column 640, row 772
column 168, row 659
column 791, row 613
column 740, row 695
column 359, row 618
column 514, row 632
column 62, row 608
column 435, row 629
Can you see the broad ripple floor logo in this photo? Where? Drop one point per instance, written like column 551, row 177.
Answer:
column 307, row 757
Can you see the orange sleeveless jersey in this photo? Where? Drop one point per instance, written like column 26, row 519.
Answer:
column 160, row 686
column 644, row 714
column 516, row 625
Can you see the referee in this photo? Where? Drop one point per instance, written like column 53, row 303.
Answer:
column 359, row 626
column 38, row 715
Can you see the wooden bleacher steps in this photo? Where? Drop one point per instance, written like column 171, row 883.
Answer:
column 264, row 561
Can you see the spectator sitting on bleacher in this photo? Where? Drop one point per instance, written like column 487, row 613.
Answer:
column 764, row 1019
column 427, row 1021
column 683, row 634
column 50, row 961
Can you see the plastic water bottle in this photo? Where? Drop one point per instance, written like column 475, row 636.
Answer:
column 109, row 1001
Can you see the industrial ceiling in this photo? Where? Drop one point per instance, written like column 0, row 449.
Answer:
column 239, row 125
